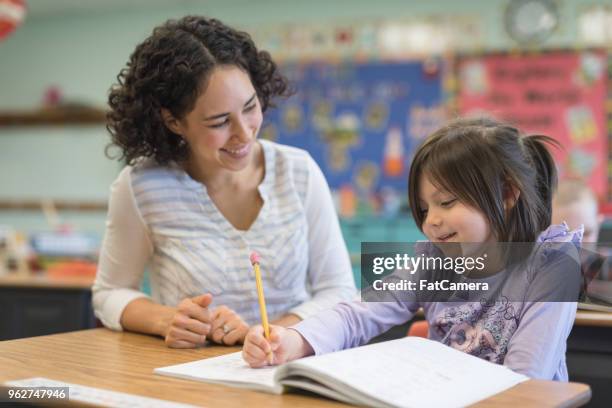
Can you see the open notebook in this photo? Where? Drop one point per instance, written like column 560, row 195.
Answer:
column 411, row 371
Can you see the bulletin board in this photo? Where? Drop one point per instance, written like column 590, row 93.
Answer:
column 558, row 93
column 360, row 121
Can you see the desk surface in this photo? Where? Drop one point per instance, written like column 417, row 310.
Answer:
column 589, row 318
column 125, row 361
column 44, row 281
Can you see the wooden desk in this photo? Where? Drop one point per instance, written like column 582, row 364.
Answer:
column 589, row 318
column 45, row 282
column 36, row 305
column 589, row 354
column 125, row 361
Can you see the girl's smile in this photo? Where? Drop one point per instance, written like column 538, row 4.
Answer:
column 447, row 219
column 446, row 237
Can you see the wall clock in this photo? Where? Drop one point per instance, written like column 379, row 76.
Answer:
column 530, row 22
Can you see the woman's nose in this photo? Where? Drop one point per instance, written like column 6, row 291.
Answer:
column 242, row 130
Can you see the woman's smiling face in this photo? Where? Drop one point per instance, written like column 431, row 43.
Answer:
column 222, row 127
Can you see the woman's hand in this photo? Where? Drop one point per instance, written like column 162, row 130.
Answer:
column 190, row 324
column 284, row 345
column 227, row 327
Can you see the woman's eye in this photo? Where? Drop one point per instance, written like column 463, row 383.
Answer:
column 448, row 203
column 221, row 124
column 250, row 107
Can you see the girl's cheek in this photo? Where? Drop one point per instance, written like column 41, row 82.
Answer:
column 428, row 235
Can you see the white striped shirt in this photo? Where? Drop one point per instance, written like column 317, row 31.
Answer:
column 162, row 218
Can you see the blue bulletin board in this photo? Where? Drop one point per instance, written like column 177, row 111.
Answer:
column 361, row 122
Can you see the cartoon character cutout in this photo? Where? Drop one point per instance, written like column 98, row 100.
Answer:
column 591, row 69
column 340, row 137
column 474, row 78
column 581, row 124
column 393, row 160
column 293, row 118
column 377, row 115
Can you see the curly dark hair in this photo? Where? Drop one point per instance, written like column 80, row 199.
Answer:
column 168, row 70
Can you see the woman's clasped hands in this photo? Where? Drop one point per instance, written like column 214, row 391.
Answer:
column 194, row 322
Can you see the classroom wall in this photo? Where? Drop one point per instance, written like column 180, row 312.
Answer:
column 81, row 53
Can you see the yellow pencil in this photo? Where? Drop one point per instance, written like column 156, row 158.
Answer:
column 262, row 300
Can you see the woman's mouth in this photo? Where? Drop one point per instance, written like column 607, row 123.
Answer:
column 237, row 152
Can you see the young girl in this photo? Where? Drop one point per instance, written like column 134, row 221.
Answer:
column 472, row 181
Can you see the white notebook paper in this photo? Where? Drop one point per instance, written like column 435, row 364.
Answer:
column 408, row 372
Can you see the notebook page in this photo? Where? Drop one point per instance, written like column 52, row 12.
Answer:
column 313, row 386
column 226, row 369
column 411, row 372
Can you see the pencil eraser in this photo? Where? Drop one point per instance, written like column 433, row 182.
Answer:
column 254, row 258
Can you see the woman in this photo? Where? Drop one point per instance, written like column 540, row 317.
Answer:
column 200, row 192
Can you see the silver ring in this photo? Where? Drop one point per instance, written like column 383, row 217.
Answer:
column 226, row 329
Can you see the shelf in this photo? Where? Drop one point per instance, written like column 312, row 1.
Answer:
column 56, row 116
column 36, row 205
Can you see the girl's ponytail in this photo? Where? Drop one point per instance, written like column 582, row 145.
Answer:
column 545, row 170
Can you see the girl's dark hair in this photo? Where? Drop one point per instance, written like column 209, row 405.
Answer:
column 483, row 162
column 169, row 70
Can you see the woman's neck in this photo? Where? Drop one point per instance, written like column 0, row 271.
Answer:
column 220, row 179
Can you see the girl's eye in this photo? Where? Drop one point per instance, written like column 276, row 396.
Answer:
column 250, row 107
column 424, row 211
column 448, row 203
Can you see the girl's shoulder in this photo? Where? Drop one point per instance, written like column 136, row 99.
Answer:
column 558, row 244
column 561, row 233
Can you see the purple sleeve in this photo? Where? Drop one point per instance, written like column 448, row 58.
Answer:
column 351, row 324
column 537, row 348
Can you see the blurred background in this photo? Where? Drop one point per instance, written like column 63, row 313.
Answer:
column 372, row 80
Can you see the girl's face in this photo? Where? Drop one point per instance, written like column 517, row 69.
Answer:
column 446, row 219
column 222, row 127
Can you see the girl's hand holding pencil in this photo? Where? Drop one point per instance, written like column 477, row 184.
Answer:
column 270, row 345
column 284, row 345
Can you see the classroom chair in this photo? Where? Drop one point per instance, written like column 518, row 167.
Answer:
column 418, row 329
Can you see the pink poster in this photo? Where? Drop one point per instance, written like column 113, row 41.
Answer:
column 561, row 94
